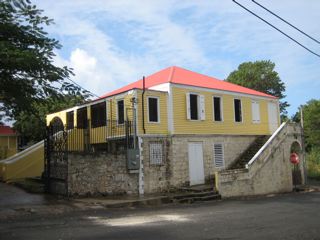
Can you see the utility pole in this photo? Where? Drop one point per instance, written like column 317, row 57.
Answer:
column 303, row 146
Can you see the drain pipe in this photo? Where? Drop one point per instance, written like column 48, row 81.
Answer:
column 143, row 91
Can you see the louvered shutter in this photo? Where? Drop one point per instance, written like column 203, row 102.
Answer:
column 188, row 106
column 255, row 112
column 218, row 155
column 202, row 108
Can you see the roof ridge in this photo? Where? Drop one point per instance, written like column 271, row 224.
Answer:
column 171, row 74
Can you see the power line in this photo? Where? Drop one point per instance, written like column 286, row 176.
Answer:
column 286, row 21
column 83, row 88
column 301, row 45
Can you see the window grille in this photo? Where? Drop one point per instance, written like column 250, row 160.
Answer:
column 156, row 153
column 218, row 155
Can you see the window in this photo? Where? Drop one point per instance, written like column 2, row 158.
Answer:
column 153, row 109
column 217, row 109
column 82, row 118
column 120, row 113
column 70, row 120
column 255, row 112
column 156, row 153
column 98, row 115
column 218, row 154
column 195, row 107
column 237, row 110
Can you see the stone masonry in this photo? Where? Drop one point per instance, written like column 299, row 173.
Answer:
column 174, row 171
column 271, row 172
column 107, row 173
column 157, row 176
column 102, row 173
column 233, row 147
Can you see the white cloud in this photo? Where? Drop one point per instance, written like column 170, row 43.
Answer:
column 212, row 37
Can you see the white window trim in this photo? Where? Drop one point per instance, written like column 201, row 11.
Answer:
column 124, row 112
column 221, row 109
column 214, row 159
column 258, row 102
column 234, row 111
column 158, row 112
column 198, row 106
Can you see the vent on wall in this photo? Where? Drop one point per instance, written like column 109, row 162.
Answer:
column 218, row 155
column 156, row 153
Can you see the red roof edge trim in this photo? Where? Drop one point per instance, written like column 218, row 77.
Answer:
column 7, row 131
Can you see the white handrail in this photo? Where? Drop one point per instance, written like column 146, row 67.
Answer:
column 265, row 145
column 26, row 151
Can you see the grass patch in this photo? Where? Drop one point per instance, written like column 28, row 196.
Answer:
column 313, row 163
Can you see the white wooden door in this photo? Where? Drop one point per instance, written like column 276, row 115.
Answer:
column 273, row 117
column 196, row 170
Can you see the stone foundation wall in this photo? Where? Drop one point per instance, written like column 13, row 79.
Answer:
column 174, row 172
column 100, row 174
column 157, row 177
column 233, row 147
column 274, row 176
column 271, row 172
column 106, row 173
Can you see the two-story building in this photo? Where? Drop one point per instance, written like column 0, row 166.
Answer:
column 175, row 128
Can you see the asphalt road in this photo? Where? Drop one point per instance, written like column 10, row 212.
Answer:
column 289, row 216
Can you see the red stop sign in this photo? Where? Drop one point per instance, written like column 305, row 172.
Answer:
column 294, row 158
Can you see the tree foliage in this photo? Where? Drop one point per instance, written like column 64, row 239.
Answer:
column 260, row 76
column 32, row 125
column 311, row 122
column 28, row 76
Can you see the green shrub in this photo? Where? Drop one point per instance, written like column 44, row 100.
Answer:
column 313, row 163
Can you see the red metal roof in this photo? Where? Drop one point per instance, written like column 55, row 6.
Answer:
column 183, row 76
column 6, row 130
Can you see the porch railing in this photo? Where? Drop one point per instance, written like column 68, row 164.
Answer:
column 89, row 139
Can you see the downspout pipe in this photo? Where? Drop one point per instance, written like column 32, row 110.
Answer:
column 143, row 91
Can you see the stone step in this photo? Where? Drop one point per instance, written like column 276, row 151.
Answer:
column 249, row 153
column 194, row 195
column 197, row 188
column 211, row 197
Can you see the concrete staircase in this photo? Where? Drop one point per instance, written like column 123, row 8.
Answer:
column 269, row 170
column 195, row 194
column 247, row 155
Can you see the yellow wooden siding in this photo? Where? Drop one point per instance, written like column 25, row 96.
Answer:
column 208, row 126
column 98, row 135
column 76, row 140
column 62, row 115
column 153, row 128
column 112, row 106
column 8, row 146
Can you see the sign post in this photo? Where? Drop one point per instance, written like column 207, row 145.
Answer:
column 294, row 159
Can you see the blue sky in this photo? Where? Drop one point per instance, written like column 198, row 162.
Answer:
column 112, row 43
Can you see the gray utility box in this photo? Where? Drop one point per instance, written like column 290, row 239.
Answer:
column 133, row 159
